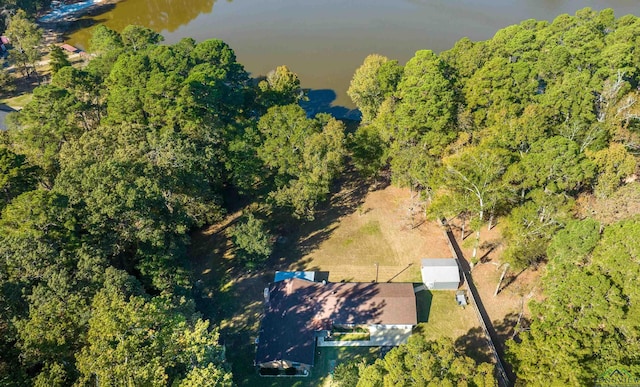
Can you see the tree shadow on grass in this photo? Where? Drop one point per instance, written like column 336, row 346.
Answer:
column 232, row 295
column 474, row 343
column 303, row 237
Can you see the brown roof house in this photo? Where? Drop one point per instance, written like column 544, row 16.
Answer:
column 300, row 315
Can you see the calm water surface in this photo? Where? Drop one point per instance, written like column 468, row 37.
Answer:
column 324, row 41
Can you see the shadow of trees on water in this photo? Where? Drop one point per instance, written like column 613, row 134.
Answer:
column 321, row 101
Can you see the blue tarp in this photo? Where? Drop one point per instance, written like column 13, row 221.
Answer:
column 283, row 275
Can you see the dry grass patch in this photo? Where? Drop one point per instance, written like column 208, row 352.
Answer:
column 357, row 231
column 379, row 232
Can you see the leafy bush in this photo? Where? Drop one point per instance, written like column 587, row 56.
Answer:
column 252, row 241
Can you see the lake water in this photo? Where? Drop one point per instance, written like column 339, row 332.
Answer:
column 324, row 41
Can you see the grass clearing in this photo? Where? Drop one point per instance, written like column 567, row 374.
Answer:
column 19, row 101
column 440, row 316
column 377, row 237
column 359, row 236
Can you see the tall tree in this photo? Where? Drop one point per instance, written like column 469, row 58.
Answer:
column 417, row 121
column 476, row 173
column 138, row 37
column 26, row 38
column 280, row 87
column 58, row 59
column 367, row 150
column 530, row 227
column 44, row 125
column 374, row 81
column 588, row 321
column 613, row 164
column 136, row 340
column 252, row 240
column 37, row 229
column 426, row 107
column 88, row 92
column 138, row 191
column 7, row 81
column 304, row 154
column 555, row 164
column 16, row 176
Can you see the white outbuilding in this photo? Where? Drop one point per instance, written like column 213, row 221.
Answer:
column 440, row 273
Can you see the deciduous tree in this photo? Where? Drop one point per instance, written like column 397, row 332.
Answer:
column 305, row 154
column 476, row 173
column 252, row 240
column 374, row 81
column 426, row 363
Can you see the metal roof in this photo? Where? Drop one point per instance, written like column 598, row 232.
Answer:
column 440, row 270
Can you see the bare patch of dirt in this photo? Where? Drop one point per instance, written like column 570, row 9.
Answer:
column 509, row 307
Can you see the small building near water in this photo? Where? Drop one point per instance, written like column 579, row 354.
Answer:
column 70, row 48
column 440, row 273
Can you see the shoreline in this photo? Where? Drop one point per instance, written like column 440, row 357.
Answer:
column 55, row 31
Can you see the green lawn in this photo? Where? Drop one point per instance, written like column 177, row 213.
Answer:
column 17, row 102
column 439, row 315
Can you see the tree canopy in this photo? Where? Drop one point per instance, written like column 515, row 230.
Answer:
column 426, row 363
column 533, row 125
column 108, row 169
column 104, row 174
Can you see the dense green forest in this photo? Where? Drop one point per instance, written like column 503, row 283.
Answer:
column 107, row 170
column 533, row 126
